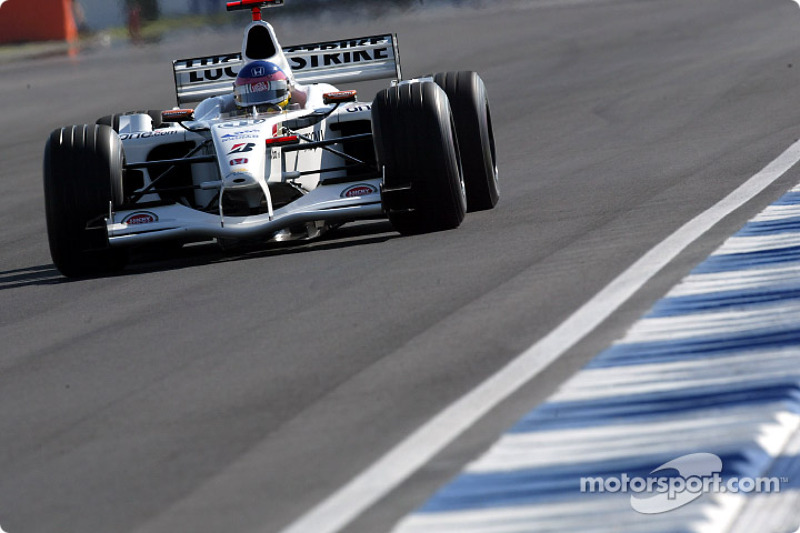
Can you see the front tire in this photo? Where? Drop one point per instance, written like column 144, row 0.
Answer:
column 82, row 174
column 416, row 145
column 470, row 103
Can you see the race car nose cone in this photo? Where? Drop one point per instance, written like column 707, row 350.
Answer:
column 240, row 180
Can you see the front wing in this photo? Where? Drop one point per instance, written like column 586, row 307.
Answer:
column 329, row 203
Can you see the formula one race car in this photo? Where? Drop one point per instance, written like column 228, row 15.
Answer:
column 271, row 152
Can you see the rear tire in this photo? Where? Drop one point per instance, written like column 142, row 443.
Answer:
column 415, row 144
column 82, row 174
column 470, row 103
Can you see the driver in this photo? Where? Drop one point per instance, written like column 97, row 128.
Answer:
column 262, row 84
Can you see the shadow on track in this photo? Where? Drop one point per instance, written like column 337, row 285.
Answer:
column 35, row 275
column 165, row 258
column 148, row 261
column 162, row 259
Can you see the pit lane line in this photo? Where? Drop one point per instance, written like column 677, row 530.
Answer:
column 345, row 505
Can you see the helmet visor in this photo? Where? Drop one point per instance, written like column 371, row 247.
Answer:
column 261, row 92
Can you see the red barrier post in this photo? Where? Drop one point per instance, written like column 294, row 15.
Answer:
column 43, row 20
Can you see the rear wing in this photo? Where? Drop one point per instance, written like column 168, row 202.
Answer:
column 346, row 61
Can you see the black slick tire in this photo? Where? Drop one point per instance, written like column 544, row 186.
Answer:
column 470, row 104
column 416, row 145
column 82, row 173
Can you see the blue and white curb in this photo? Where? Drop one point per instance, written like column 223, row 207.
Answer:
column 713, row 368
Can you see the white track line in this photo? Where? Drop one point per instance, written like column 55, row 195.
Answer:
column 347, row 503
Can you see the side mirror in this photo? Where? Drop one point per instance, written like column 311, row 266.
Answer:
column 340, row 97
column 177, row 115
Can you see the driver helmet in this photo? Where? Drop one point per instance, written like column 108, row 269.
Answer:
column 262, row 83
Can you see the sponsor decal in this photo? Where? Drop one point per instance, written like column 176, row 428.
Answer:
column 241, row 124
column 357, row 108
column 241, row 148
column 229, row 138
column 146, row 135
column 327, row 54
column 317, row 135
column 142, row 217
column 227, row 66
column 340, row 58
column 240, row 135
column 337, row 53
column 341, row 45
column 239, row 161
column 362, row 189
column 258, row 71
column 213, row 74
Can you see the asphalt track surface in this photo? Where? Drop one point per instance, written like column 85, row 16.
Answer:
column 204, row 392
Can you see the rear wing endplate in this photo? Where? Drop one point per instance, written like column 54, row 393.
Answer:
column 345, row 61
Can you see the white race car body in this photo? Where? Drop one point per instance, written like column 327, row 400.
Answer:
column 232, row 173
